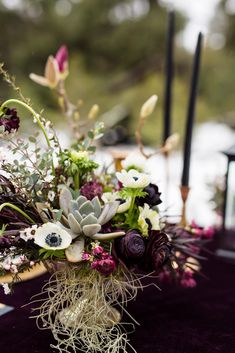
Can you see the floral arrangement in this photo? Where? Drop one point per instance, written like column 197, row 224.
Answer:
column 98, row 230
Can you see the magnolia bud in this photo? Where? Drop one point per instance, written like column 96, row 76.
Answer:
column 93, row 111
column 148, row 107
column 171, row 142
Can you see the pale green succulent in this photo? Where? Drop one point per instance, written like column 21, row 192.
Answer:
column 85, row 217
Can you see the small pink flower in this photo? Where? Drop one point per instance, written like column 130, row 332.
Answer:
column 209, row 232
column 105, row 255
column 187, row 280
column 188, row 283
column 105, row 267
column 198, row 231
column 98, row 250
column 86, row 256
column 95, row 264
column 6, row 267
column 32, row 263
column 165, row 276
column 14, row 269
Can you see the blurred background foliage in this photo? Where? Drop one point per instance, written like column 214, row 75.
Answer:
column 117, row 53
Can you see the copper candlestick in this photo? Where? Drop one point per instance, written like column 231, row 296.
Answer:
column 166, row 155
column 118, row 157
column 184, row 194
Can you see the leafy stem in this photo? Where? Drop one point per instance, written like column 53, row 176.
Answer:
column 8, row 204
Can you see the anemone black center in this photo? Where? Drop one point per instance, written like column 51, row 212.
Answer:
column 147, row 220
column 135, row 178
column 121, row 201
column 53, row 239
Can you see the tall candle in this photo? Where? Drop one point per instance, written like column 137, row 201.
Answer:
column 191, row 113
column 169, row 76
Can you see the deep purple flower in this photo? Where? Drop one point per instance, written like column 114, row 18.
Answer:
column 131, row 247
column 91, row 189
column 10, row 120
column 105, row 267
column 157, row 251
column 152, row 198
column 62, row 58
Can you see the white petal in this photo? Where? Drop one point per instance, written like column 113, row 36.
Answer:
column 124, row 206
column 41, row 80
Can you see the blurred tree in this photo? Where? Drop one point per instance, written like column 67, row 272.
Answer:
column 111, row 35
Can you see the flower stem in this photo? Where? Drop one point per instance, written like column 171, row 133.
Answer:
column 76, row 181
column 8, row 204
column 37, row 117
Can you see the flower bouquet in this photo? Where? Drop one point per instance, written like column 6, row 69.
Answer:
column 97, row 230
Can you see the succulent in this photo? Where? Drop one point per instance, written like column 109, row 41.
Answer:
column 86, row 217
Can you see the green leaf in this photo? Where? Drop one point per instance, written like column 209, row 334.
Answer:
column 91, row 149
column 32, row 139
column 91, row 134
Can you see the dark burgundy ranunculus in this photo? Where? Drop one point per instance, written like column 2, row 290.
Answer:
column 157, row 251
column 131, row 247
column 91, row 189
column 10, row 120
column 152, row 198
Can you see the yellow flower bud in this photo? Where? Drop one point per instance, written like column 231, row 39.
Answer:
column 148, row 107
column 171, row 142
column 93, row 111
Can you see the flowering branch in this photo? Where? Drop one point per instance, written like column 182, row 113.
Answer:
column 36, row 116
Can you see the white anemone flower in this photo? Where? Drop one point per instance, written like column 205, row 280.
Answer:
column 114, row 196
column 136, row 161
column 50, row 236
column 133, row 179
column 148, row 217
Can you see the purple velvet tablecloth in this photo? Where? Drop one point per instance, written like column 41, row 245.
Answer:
column 199, row 320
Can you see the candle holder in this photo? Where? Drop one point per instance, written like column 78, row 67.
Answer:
column 184, row 194
column 166, row 155
column 118, row 157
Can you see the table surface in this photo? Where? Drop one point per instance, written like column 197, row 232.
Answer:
column 198, row 320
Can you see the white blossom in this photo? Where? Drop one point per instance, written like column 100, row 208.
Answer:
column 48, row 178
column 152, row 216
column 133, row 179
column 114, row 196
column 28, row 233
column 51, row 195
column 51, row 236
column 136, row 161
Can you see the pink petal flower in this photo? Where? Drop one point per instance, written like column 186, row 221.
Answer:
column 105, row 267
column 86, row 257
column 209, row 232
column 62, row 59
column 98, row 250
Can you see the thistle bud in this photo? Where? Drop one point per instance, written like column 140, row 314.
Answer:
column 93, row 112
column 148, row 107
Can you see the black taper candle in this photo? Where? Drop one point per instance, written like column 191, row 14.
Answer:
column 169, row 76
column 190, row 113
